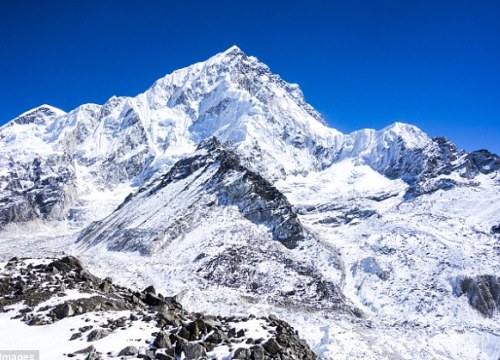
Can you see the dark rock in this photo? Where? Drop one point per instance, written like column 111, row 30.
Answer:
column 161, row 356
column 75, row 336
column 128, row 351
column 63, row 310
column 191, row 335
column 66, row 264
column 196, row 329
column 97, row 334
column 85, row 328
column 150, row 289
column 152, row 300
column 168, row 317
column 192, row 350
column 184, row 333
column 216, row 337
column 106, row 286
column 483, row 292
column 147, row 355
column 486, row 162
column 87, row 350
column 242, row 354
column 272, row 346
column 257, row 353
column 162, row 341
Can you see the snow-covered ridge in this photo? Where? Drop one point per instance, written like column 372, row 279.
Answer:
column 105, row 149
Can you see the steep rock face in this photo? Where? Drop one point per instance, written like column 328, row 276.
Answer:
column 44, row 189
column 485, row 161
column 214, row 173
column 483, row 292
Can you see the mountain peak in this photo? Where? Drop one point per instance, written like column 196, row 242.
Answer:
column 38, row 115
column 233, row 50
column 209, row 143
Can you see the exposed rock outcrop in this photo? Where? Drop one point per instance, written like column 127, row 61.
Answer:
column 483, row 292
column 43, row 286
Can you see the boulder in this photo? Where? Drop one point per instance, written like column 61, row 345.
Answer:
column 193, row 351
column 162, row 341
column 242, row 354
column 272, row 346
column 97, row 334
column 257, row 353
column 128, row 351
column 64, row 310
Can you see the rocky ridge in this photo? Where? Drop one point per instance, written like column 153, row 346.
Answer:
column 44, row 291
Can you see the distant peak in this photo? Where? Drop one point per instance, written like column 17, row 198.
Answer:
column 44, row 108
column 410, row 134
column 398, row 126
column 37, row 114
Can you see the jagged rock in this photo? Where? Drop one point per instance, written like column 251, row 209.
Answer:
column 85, row 328
column 75, row 336
column 66, row 264
column 147, row 355
column 87, row 350
column 152, row 300
column 272, row 346
column 162, row 341
column 128, row 351
column 483, row 292
column 486, row 162
column 106, row 285
column 64, row 310
column 97, row 334
column 197, row 328
column 242, row 353
column 257, row 353
column 232, row 183
column 150, row 289
column 216, row 337
column 190, row 335
column 168, row 317
column 94, row 356
column 193, row 351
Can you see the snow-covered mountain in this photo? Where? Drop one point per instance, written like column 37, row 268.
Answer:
column 222, row 186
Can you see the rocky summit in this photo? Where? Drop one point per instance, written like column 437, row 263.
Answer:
column 45, row 292
column 221, row 188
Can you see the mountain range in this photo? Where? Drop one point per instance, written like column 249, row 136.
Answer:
column 223, row 187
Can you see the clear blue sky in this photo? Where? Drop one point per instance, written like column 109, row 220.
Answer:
column 435, row 64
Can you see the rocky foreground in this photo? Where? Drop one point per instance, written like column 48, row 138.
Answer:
column 107, row 321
